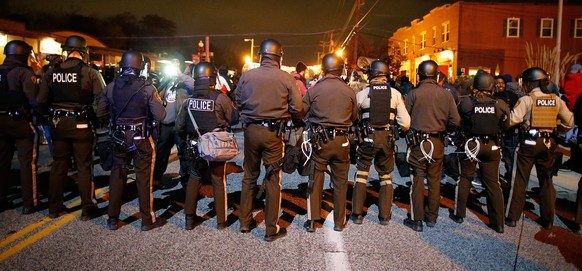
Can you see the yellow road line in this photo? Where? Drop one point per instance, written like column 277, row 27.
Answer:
column 41, row 234
column 24, row 231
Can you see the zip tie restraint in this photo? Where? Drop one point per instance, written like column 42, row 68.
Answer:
column 472, row 153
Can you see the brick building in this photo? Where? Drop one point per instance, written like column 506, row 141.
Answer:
column 465, row 37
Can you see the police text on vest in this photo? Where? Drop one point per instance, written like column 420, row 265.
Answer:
column 201, row 105
column 485, row 109
column 546, row 102
column 65, row 77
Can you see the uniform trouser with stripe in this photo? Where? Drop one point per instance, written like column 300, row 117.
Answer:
column 166, row 140
column 71, row 137
column 543, row 158
column 382, row 152
column 336, row 154
column 261, row 143
column 432, row 171
column 143, row 160
column 218, row 179
column 18, row 134
column 490, row 157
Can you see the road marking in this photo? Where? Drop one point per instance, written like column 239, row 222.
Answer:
column 24, row 231
column 41, row 234
column 337, row 259
column 44, row 232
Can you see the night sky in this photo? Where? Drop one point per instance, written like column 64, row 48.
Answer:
column 299, row 25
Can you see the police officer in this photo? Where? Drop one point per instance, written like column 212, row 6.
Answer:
column 537, row 113
column 71, row 88
column 132, row 103
column 380, row 108
column 433, row 112
column 17, row 99
column 483, row 118
column 266, row 97
column 331, row 110
column 212, row 110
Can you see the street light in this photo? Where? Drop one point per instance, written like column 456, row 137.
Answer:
column 252, row 45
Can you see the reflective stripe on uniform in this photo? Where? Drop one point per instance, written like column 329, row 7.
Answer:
column 153, row 145
column 386, row 179
column 225, row 210
column 362, row 176
column 33, row 163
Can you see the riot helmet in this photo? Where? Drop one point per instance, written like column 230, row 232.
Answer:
column 132, row 60
column 205, row 70
column 205, row 75
column 378, row 68
column 17, row 47
column 272, row 47
column 484, row 81
column 427, row 69
column 534, row 74
column 535, row 77
column 75, row 43
column 332, row 63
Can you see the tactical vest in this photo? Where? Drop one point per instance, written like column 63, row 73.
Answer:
column 544, row 112
column 484, row 119
column 137, row 107
column 203, row 111
column 379, row 111
column 9, row 99
column 67, row 87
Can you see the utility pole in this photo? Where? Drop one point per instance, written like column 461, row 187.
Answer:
column 331, row 42
column 356, row 30
column 558, row 43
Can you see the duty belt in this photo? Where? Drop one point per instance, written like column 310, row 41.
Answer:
column 378, row 128
column 69, row 113
column 272, row 124
column 534, row 134
column 135, row 127
column 325, row 134
column 12, row 113
column 415, row 137
column 485, row 138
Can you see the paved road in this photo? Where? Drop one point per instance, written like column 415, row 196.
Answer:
column 34, row 242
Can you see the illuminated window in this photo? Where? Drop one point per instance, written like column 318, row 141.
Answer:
column 512, row 30
column 578, row 28
column 422, row 40
column 446, row 30
column 413, row 43
column 405, row 47
column 546, row 28
column 433, row 35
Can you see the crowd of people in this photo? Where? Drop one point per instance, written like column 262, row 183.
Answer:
column 486, row 118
